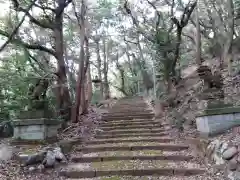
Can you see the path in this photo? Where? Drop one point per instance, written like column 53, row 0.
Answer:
column 130, row 145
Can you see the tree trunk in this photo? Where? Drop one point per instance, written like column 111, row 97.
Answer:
column 87, row 84
column 63, row 96
column 99, row 65
column 105, row 70
column 227, row 52
column 80, row 84
column 198, row 39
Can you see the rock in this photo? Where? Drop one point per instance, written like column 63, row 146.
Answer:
column 238, row 159
column 99, row 130
column 59, row 156
column 233, row 164
column 31, row 168
column 40, row 167
column 22, row 158
column 67, row 145
column 229, row 153
column 35, row 158
column 49, row 161
column 234, row 175
column 224, row 147
column 218, row 159
column 6, row 152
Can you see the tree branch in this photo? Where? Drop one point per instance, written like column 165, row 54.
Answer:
column 158, row 14
column 32, row 19
column 17, row 28
column 135, row 22
column 29, row 46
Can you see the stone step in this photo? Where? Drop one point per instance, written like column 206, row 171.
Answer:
column 130, row 123
column 132, row 172
column 129, row 127
column 161, row 147
column 130, row 115
column 129, row 120
column 131, row 135
column 80, row 159
column 107, row 141
column 115, row 132
column 126, row 117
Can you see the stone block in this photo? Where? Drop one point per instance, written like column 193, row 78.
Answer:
column 35, row 129
column 214, row 121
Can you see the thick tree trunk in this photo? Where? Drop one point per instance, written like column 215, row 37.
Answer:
column 105, row 70
column 99, row 65
column 198, row 39
column 227, row 52
column 63, row 96
column 80, row 84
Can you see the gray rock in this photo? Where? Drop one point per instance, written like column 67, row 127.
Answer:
column 32, row 168
column 234, row 175
column 6, row 152
column 49, row 160
column 35, row 158
column 229, row 153
column 40, row 167
column 233, row 164
column 224, row 147
column 59, row 156
column 67, row 145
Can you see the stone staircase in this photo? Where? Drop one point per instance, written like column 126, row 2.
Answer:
column 132, row 145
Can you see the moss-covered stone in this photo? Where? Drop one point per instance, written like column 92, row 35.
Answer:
column 220, row 111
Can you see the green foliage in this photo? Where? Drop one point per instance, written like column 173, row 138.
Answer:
column 16, row 75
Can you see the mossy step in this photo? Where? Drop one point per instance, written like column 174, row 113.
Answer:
column 130, row 123
column 130, row 120
column 162, row 147
column 142, row 110
column 79, row 159
column 131, row 135
column 140, row 143
column 115, row 132
column 139, row 113
column 133, row 113
column 106, row 141
column 132, row 127
column 132, row 172
column 115, row 118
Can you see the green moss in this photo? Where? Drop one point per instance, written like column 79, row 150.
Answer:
column 220, row 111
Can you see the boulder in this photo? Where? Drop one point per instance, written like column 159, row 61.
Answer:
column 6, row 152
column 35, row 158
column 59, row 156
column 50, row 160
column 233, row 164
column 229, row 153
column 67, row 145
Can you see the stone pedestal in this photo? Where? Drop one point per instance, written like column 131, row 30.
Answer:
column 36, row 129
column 217, row 116
column 217, row 120
column 36, row 125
